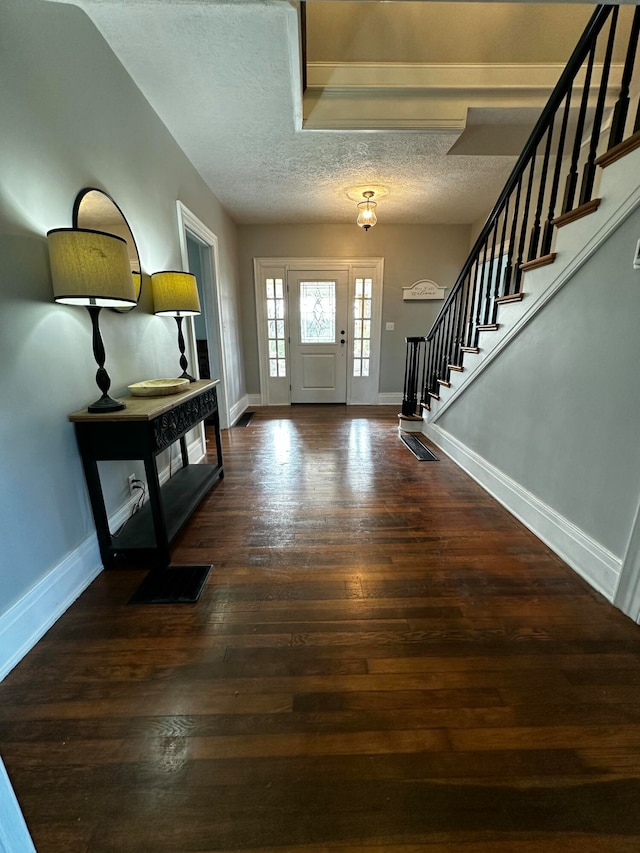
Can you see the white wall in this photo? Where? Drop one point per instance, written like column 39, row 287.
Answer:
column 557, row 412
column 410, row 252
column 71, row 118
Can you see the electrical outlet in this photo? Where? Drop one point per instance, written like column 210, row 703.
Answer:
column 131, row 480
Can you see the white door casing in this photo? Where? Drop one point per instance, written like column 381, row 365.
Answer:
column 275, row 372
column 187, row 221
column 317, row 302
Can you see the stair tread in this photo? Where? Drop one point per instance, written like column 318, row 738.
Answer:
column 619, row 151
column 510, row 297
column 577, row 213
column 536, row 263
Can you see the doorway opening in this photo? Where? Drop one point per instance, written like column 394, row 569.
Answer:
column 319, row 329
column 200, row 256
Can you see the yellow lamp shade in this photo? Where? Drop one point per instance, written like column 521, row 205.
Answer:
column 175, row 294
column 90, row 268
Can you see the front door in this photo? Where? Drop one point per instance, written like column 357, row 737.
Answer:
column 318, row 333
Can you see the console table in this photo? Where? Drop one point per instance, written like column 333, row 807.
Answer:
column 147, row 426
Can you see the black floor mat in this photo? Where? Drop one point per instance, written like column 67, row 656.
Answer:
column 422, row 453
column 244, row 420
column 173, row 585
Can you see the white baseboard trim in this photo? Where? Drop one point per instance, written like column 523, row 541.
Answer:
column 23, row 624
column 14, row 835
column 238, row 409
column 254, row 400
column 594, row 563
column 28, row 620
column 390, row 399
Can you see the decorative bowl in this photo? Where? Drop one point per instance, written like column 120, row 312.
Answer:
column 157, row 387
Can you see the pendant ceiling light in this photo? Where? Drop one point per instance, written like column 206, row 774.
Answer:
column 367, row 211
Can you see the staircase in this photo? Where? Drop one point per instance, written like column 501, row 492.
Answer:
column 572, row 196
column 575, row 242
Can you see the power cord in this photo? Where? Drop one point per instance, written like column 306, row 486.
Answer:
column 141, row 487
column 137, row 486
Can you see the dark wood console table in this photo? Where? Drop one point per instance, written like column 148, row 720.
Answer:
column 146, row 427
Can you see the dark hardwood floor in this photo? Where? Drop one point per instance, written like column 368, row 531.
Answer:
column 382, row 660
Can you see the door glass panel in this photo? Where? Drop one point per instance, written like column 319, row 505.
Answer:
column 317, row 312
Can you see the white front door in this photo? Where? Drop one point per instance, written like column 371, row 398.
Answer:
column 318, row 332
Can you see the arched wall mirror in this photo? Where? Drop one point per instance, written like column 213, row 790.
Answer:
column 96, row 210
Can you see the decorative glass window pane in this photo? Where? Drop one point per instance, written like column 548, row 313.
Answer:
column 317, row 312
column 362, row 326
column 275, row 327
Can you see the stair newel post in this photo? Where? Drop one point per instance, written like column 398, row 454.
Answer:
column 525, row 219
column 535, row 229
column 589, row 170
column 572, row 177
column 547, row 233
column 411, row 373
column 424, row 401
column 621, row 108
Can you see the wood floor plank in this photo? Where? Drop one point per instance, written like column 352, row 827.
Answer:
column 382, row 660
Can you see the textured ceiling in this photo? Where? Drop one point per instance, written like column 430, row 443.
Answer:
column 223, row 77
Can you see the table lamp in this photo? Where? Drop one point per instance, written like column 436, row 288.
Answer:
column 92, row 269
column 175, row 294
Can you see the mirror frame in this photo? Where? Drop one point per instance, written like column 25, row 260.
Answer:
column 132, row 241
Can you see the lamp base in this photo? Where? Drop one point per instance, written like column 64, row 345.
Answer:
column 185, row 375
column 106, row 404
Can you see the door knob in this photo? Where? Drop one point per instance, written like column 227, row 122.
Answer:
column 342, row 341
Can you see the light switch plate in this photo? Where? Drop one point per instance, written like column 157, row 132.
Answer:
column 390, row 327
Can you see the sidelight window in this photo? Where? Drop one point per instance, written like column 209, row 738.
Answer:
column 275, row 327
column 362, row 327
